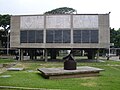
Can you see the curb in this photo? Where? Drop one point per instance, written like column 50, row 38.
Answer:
column 24, row 88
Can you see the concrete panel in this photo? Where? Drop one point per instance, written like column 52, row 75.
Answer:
column 58, row 21
column 104, row 31
column 15, row 32
column 85, row 21
column 31, row 22
column 59, row 45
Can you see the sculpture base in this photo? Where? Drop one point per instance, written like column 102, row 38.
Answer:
column 70, row 65
column 57, row 73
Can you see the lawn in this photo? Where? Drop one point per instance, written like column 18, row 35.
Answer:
column 30, row 77
column 6, row 61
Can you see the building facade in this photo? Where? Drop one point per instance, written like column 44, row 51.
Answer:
column 74, row 31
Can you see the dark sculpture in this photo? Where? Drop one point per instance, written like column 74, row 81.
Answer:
column 70, row 63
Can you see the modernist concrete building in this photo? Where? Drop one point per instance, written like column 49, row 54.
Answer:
column 75, row 31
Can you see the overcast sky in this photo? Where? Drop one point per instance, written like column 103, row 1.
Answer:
column 25, row 7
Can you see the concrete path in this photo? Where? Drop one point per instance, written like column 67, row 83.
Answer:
column 115, row 58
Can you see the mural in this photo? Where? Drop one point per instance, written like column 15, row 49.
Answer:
column 85, row 21
column 32, row 22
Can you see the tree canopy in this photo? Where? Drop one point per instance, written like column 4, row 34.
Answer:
column 115, row 37
column 5, row 21
column 61, row 10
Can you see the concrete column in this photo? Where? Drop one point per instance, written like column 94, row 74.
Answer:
column 35, row 51
column 45, row 51
column 83, row 52
column 21, row 54
column 98, row 54
column 44, row 32
column 31, row 54
column 71, row 29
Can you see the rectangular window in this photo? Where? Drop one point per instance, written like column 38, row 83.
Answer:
column 39, row 36
column 94, row 36
column 58, row 36
column 49, row 36
column 31, row 36
column 77, row 36
column 85, row 36
column 23, row 37
column 66, row 36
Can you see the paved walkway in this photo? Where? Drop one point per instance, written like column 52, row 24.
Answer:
column 115, row 58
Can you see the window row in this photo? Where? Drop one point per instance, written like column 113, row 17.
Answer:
column 59, row 36
column 31, row 36
column 85, row 36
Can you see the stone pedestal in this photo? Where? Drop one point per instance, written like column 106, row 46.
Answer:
column 58, row 73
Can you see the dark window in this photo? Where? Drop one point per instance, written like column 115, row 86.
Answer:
column 39, row 36
column 77, row 36
column 66, row 36
column 49, row 36
column 58, row 36
column 85, row 36
column 31, row 36
column 94, row 36
column 23, row 37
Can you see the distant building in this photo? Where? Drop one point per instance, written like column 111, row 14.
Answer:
column 88, row 32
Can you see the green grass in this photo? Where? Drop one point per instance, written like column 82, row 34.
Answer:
column 6, row 61
column 109, row 79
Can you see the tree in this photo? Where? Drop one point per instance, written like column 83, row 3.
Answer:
column 5, row 23
column 115, row 37
column 62, row 10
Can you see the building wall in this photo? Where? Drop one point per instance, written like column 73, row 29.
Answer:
column 47, row 23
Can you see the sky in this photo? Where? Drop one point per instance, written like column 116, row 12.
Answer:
column 26, row 7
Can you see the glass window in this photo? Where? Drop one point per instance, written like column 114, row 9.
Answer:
column 23, row 37
column 77, row 36
column 49, row 36
column 31, row 36
column 85, row 36
column 58, row 36
column 94, row 36
column 66, row 36
column 39, row 36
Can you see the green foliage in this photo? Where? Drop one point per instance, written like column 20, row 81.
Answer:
column 62, row 10
column 115, row 37
column 6, row 60
column 4, row 21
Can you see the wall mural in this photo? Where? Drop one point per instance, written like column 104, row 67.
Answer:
column 32, row 22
